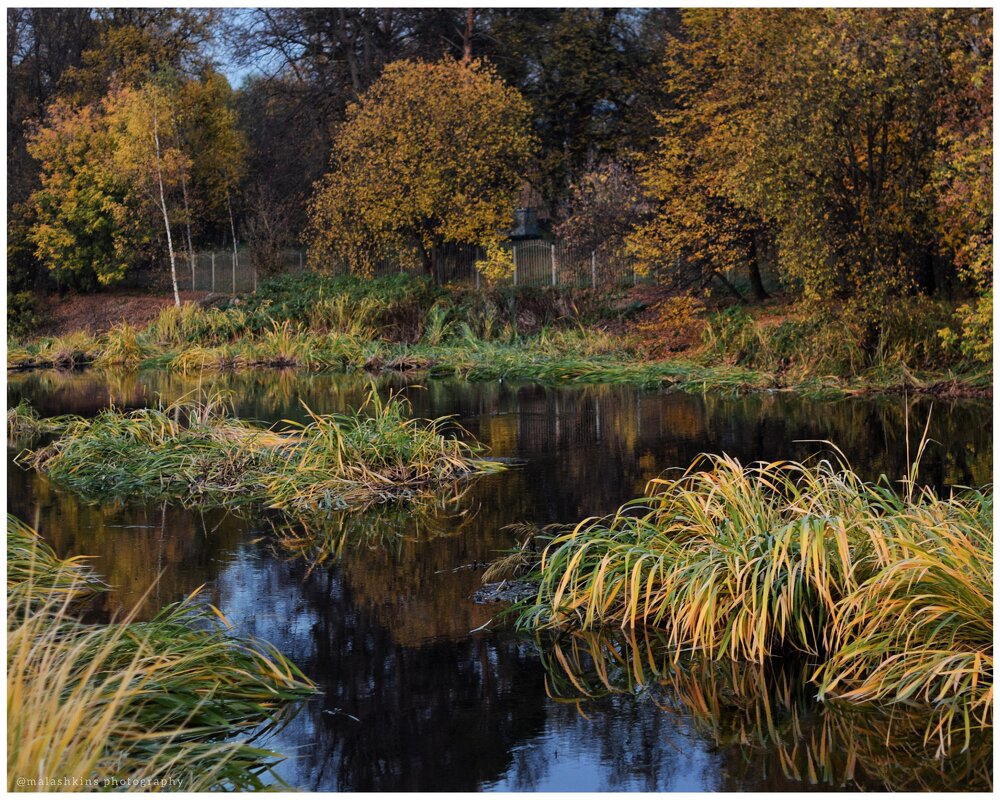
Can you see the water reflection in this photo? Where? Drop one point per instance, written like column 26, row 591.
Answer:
column 764, row 717
column 639, row 433
column 376, row 606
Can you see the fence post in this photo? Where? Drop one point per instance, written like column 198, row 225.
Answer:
column 234, row 273
column 255, row 275
column 191, row 259
column 593, row 269
column 213, row 272
column 300, row 262
column 514, row 249
column 553, row 263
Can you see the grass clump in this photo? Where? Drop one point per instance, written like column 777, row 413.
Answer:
column 190, row 324
column 36, row 575
column 123, row 346
column 131, row 704
column 24, row 424
column 890, row 593
column 197, row 451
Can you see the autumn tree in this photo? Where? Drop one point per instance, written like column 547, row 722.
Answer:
column 844, row 135
column 142, row 154
column 432, row 153
column 964, row 171
column 826, row 129
column 699, row 231
column 205, row 126
column 71, row 58
column 85, row 223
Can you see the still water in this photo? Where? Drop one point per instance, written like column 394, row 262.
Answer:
column 420, row 689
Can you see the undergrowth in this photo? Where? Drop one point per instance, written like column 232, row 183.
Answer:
column 321, row 323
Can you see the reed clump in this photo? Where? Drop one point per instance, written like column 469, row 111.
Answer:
column 123, row 346
column 133, row 705
column 36, row 575
column 889, row 592
column 197, row 451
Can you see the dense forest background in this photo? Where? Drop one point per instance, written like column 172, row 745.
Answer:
column 848, row 152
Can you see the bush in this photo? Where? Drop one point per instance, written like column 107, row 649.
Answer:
column 23, row 316
column 975, row 339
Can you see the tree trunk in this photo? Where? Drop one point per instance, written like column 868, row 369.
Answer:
column 467, row 36
column 427, row 257
column 232, row 226
column 756, row 255
column 163, row 208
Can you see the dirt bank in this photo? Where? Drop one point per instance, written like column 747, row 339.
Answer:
column 94, row 313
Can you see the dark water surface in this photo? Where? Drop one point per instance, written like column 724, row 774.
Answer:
column 416, row 695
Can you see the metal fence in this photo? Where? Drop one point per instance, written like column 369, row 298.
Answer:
column 537, row 262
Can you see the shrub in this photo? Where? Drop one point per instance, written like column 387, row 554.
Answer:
column 23, row 316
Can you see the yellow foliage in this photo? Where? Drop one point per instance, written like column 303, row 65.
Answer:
column 432, row 153
column 498, row 264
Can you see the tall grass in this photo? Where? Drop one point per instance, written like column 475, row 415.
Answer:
column 24, row 424
column 191, row 324
column 35, row 575
column 921, row 629
column 132, row 702
column 123, row 346
column 890, row 592
column 196, row 451
column 824, row 342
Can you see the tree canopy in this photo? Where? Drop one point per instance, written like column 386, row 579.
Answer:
column 841, row 133
column 432, row 153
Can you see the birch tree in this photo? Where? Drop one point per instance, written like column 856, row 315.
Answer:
column 155, row 168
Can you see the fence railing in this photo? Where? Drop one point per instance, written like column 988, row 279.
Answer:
column 537, row 262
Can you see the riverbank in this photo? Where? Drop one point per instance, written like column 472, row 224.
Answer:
column 556, row 337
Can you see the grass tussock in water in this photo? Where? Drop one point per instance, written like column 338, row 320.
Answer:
column 36, row 575
column 24, row 424
column 197, row 451
column 889, row 592
column 129, row 701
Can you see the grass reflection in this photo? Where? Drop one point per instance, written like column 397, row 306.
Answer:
column 753, row 712
column 321, row 537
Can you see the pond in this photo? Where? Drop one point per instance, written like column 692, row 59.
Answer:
column 423, row 689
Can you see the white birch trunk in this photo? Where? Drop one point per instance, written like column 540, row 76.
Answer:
column 163, row 207
column 232, row 225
